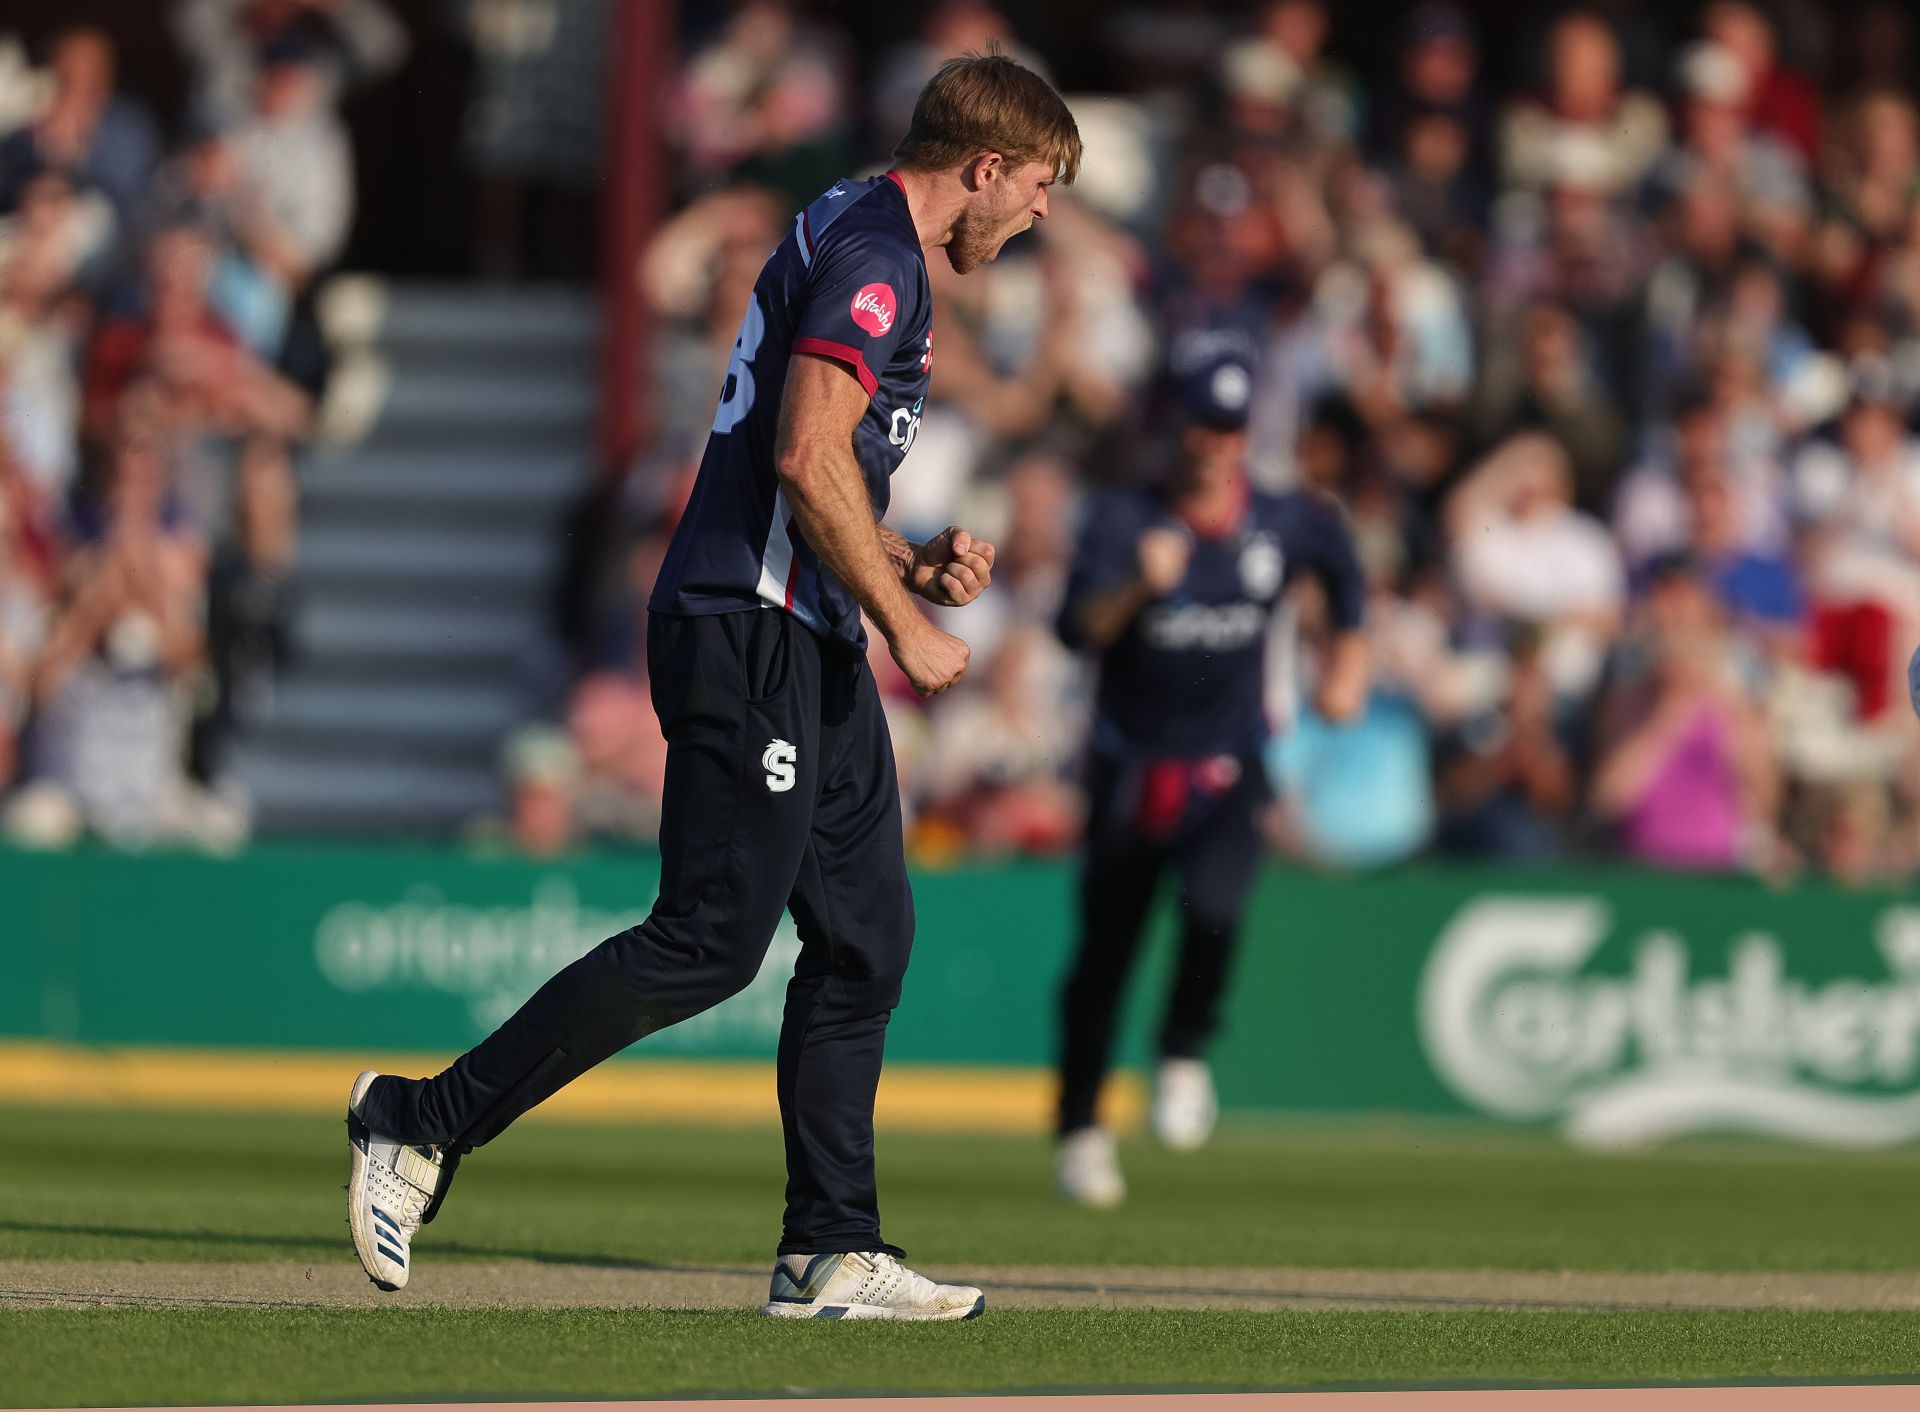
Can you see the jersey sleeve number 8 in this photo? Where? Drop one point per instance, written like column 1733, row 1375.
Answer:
column 736, row 393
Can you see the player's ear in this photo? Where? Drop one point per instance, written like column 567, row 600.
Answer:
column 984, row 169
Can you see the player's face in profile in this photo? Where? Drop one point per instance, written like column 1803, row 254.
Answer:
column 1003, row 207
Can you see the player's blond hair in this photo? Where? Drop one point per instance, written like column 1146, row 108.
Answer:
column 981, row 103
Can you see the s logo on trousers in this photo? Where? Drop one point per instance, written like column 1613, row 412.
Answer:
column 778, row 760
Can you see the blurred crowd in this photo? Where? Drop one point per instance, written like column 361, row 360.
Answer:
column 160, row 363
column 1610, row 352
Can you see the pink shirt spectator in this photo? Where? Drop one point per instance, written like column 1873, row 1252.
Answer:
column 1689, row 818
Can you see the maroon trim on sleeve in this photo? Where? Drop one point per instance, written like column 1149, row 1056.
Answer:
column 844, row 353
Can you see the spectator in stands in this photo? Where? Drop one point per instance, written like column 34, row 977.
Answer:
column 1429, row 135
column 294, row 158
column 1289, row 42
column 177, row 340
column 1686, row 772
column 21, row 93
column 1651, row 514
column 1853, row 829
column 1777, row 99
column 1397, row 339
column 697, row 277
column 1860, row 499
column 1544, row 284
column 1054, row 333
column 271, row 186
column 1757, row 325
column 1438, row 72
column 99, row 140
column 1037, row 508
column 43, row 249
column 766, row 101
column 1761, row 173
column 1869, row 190
column 23, row 612
column 124, row 638
column 1002, row 747
column 1757, row 589
column 1701, row 246
column 1865, row 488
column 204, row 189
column 951, row 27
column 1507, row 780
column 1583, row 115
column 622, row 759
column 543, row 781
column 1219, row 257
column 145, row 584
column 1523, row 553
column 1356, row 795
column 227, row 42
column 619, row 756
column 56, row 240
column 1545, row 378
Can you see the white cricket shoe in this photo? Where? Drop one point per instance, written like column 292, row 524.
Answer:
column 875, row 1286
column 1184, row 1108
column 389, row 1194
column 1086, row 1168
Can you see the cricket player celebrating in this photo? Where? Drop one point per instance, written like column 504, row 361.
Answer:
column 780, row 789
column 1174, row 587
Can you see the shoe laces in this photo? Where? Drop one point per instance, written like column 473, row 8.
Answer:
column 405, row 1201
column 918, row 1287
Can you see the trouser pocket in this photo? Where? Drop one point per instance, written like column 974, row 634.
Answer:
column 767, row 654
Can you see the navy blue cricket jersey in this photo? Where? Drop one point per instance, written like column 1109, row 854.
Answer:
column 847, row 281
column 1184, row 681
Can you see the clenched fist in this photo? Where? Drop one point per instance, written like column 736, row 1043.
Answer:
column 951, row 569
column 1163, row 555
column 933, row 660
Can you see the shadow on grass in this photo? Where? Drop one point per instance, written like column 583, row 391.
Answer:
column 244, row 1240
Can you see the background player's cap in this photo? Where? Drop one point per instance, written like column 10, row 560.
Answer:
column 1218, row 393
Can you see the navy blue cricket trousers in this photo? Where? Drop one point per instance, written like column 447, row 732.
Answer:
column 780, row 793
column 1207, row 830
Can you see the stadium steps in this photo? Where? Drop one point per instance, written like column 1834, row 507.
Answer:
column 428, row 551
column 377, row 793
column 370, row 544
column 344, row 638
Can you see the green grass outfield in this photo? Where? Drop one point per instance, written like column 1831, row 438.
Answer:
column 78, row 1186
column 101, row 1357
column 158, row 1187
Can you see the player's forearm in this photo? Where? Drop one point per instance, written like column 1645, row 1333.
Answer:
column 1104, row 617
column 901, row 552
column 1348, row 678
column 828, row 497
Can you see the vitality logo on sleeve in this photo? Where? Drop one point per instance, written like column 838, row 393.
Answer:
column 873, row 308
